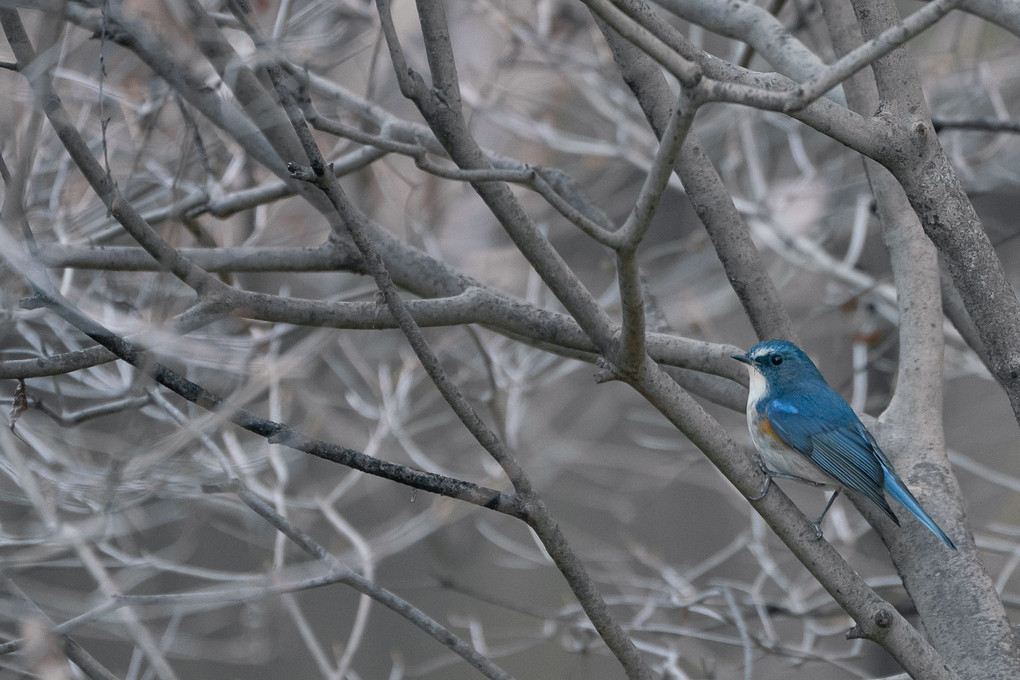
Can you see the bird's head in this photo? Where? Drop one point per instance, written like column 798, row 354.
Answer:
column 780, row 362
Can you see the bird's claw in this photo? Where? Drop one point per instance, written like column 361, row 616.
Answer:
column 765, row 489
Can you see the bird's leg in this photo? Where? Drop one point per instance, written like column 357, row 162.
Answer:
column 802, row 480
column 817, row 524
column 771, row 474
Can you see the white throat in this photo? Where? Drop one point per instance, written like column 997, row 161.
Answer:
column 757, row 387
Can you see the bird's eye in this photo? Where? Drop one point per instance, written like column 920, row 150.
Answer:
column 776, row 359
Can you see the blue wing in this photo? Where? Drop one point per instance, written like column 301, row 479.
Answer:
column 827, row 431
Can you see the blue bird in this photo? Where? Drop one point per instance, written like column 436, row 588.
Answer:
column 805, row 431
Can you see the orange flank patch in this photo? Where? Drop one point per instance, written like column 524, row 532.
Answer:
column 765, row 427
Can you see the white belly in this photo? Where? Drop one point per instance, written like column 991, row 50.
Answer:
column 782, row 459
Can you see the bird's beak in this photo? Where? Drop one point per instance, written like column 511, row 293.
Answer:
column 742, row 358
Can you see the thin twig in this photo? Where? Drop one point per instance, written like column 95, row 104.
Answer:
column 384, row 597
column 275, row 433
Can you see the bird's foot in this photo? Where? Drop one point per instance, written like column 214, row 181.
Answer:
column 817, row 524
column 769, row 474
column 764, row 489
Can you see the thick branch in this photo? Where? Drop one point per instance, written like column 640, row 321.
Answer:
column 709, row 197
column 913, row 434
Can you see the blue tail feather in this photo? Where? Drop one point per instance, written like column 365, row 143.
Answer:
column 898, row 490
